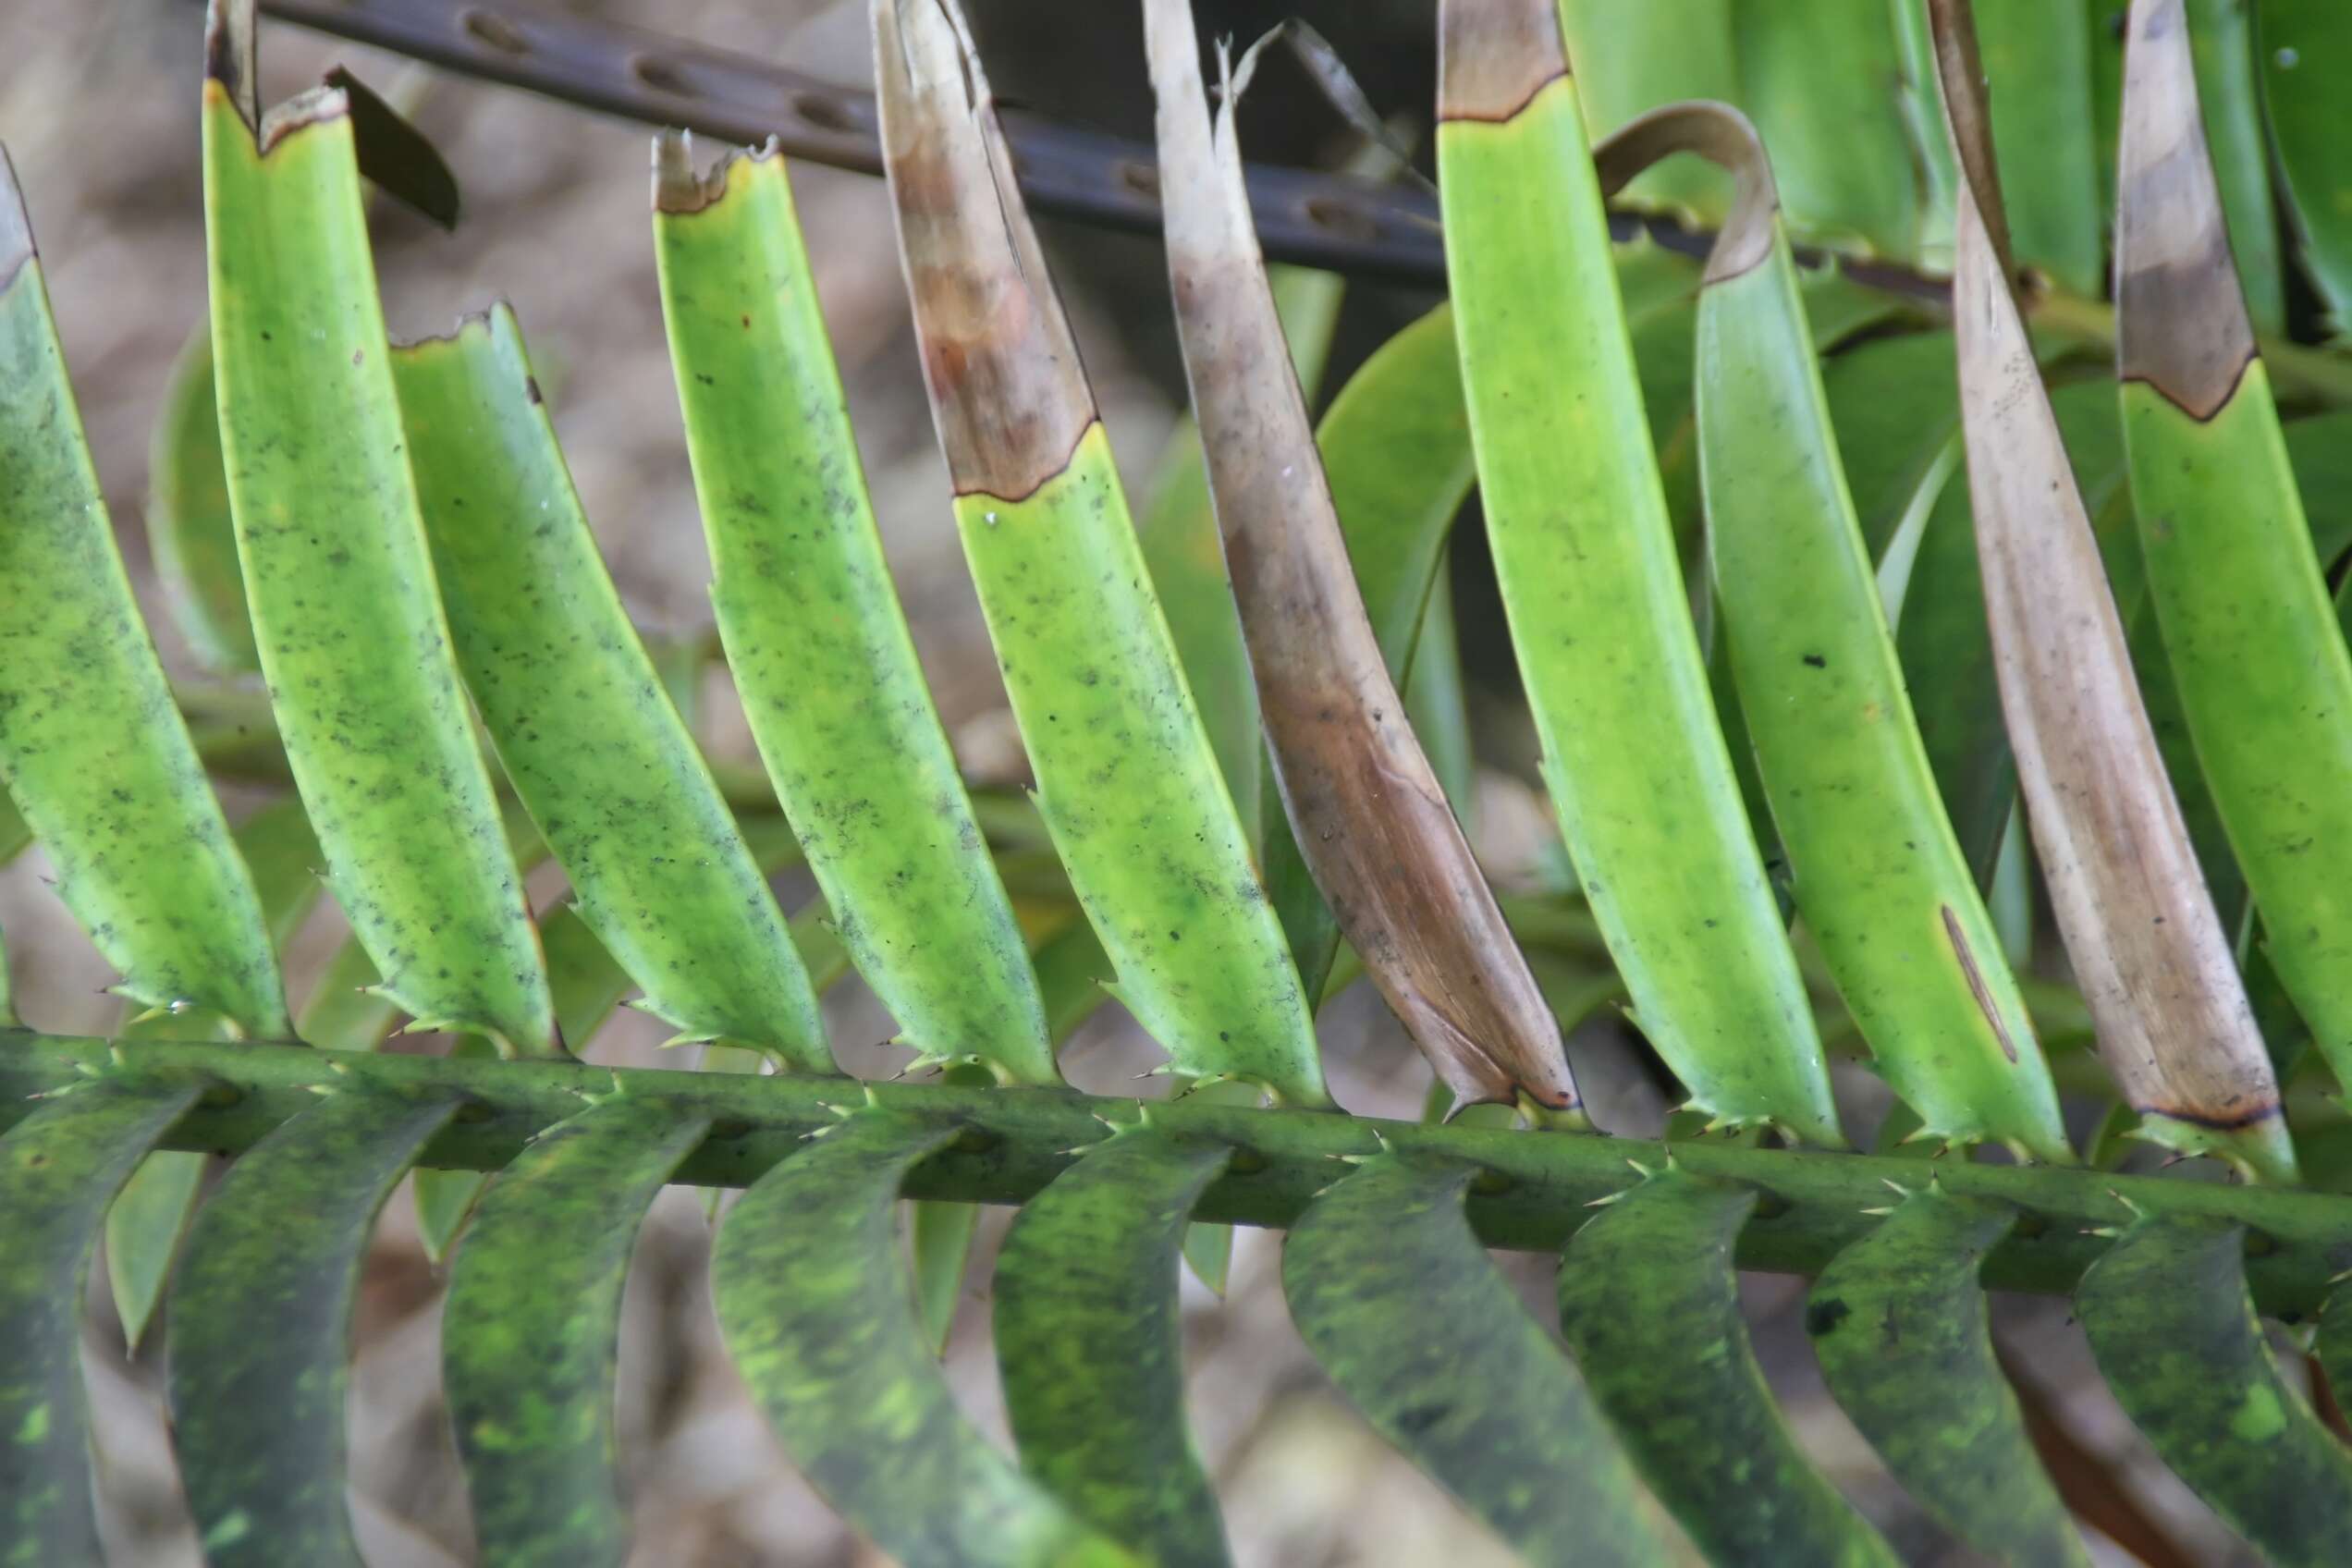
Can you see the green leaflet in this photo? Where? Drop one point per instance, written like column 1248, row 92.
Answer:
column 1899, row 1323
column 1120, row 762
column 95, row 754
column 2332, row 1342
column 1880, row 881
column 189, row 530
column 348, row 1009
column 2175, row 1337
column 1127, row 781
column 813, row 1299
column 1896, row 410
column 1920, row 98
column 2037, row 67
column 2319, row 449
column 1437, row 704
column 1089, row 1344
column 939, row 1239
column 1399, row 1303
column 1650, row 1305
column 1838, row 308
column 2306, row 57
column 1639, row 773
column 345, row 612
column 577, row 712
column 59, row 1167
column 2221, row 34
column 1071, row 972
column 259, row 1321
column 2263, row 681
column 2262, row 674
column 1187, row 557
column 1630, row 59
column 144, row 1227
column 1817, row 77
column 814, row 633
column 532, row 1326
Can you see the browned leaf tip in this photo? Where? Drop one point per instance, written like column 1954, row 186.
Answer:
column 1968, row 116
column 1494, row 56
column 2181, row 324
column 16, row 227
column 679, row 190
column 228, row 56
column 2147, row 950
column 1008, row 392
column 1725, row 138
column 1367, row 813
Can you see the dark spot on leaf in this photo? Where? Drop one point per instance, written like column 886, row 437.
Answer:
column 1816, row 661
column 1823, row 1317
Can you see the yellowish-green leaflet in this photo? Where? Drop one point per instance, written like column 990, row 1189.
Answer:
column 95, row 754
column 1881, row 882
column 1585, row 555
column 2261, row 671
column 577, row 712
column 346, row 612
column 1127, row 781
column 813, row 627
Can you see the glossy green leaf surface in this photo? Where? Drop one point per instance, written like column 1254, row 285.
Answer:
column 1650, row 1306
column 2225, row 37
column 346, row 611
column 1816, row 79
column 2306, row 57
column 1089, row 1344
column 1900, row 1325
column 577, row 712
column 1438, row 704
column 59, row 1169
column 1896, row 409
column 532, row 1326
column 94, row 753
column 1402, row 1306
column 2037, row 57
column 190, row 533
column 2167, row 1315
column 818, row 1313
column 1919, row 99
column 1630, row 59
column 1880, row 881
column 814, row 634
column 1585, row 557
column 259, row 1320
